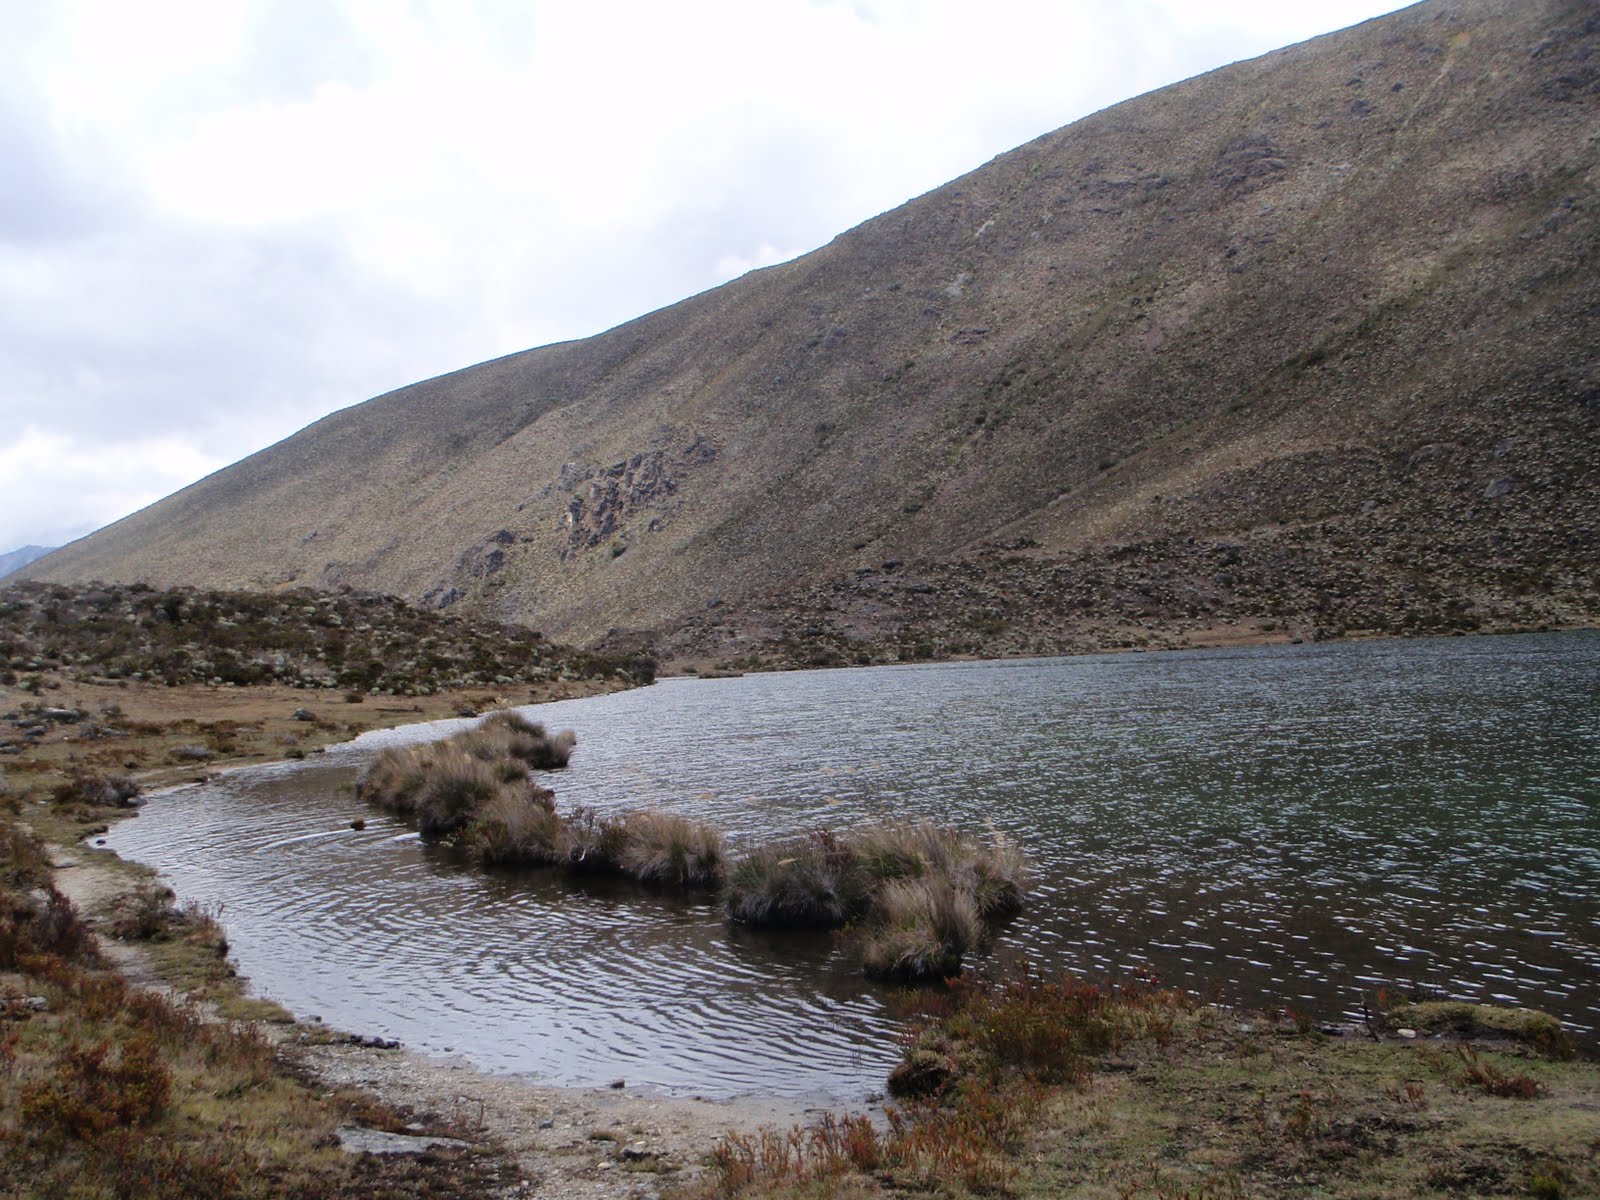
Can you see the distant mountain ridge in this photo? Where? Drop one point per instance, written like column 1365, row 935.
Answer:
column 15, row 560
column 1303, row 346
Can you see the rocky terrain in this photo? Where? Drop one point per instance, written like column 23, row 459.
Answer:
column 1302, row 347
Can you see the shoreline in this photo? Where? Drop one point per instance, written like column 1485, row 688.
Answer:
column 588, row 1142
column 1324, row 1091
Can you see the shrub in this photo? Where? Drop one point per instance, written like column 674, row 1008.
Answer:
column 1047, row 1031
column 104, row 791
column 41, row 922
column 98, row 1087
column 145, row 913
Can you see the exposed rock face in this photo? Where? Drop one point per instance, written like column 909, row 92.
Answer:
column 1300, row 347
column 613, row 496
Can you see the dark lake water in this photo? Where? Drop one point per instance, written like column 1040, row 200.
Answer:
column 1285, row 826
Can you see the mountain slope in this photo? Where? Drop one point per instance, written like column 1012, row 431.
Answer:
column 1307, row 341
column 14, row 560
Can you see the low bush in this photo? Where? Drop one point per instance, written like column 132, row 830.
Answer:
column 98, row 1087
column 1045, row 1031
column 42, row 922
column 103, row 791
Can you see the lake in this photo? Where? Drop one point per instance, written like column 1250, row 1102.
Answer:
column 1287, row 826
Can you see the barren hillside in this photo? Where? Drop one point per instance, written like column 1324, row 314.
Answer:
column 1304, row 345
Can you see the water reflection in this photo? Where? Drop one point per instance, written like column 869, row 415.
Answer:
column 1290, row 826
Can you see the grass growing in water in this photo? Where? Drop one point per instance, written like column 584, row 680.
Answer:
column 919, row 896
column 473, row 791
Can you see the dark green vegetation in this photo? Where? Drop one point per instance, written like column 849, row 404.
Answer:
column 1060, row 1088
column 917, row 897
column 1303, row 347
column 108, row 1090
column 361, row 644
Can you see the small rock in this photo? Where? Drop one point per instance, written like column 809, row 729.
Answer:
column 1406, row 1033
column 618, row 1084
column 38, row 1003
column 302, row 714
column 547, row 1123
column 357, row 1139
column 637, row 1152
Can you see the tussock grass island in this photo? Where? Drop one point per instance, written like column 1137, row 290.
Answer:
column 916, row 897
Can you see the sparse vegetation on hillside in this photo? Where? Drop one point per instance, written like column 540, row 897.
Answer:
column 1299, row 348
column 353, row 642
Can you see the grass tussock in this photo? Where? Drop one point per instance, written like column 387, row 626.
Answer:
column 814, row 880
column 665, row 848
column 517, row 826
column 919, row 896
column 920, row 929
column 473, row 791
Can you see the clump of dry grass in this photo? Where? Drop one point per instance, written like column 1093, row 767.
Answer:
column 814, row 880
column 473, row 790
column 919, row 894
column 591, row 843
column 671, row 850
column 518, row 827
column 456, row 789
column 920, row 928
column 444, row 786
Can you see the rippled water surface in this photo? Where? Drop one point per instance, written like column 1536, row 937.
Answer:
column 1291, row 826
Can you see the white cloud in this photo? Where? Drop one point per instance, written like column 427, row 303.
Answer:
column 68, row 486
column 222, row 219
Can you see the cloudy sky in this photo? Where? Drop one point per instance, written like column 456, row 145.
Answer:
column 222, row 219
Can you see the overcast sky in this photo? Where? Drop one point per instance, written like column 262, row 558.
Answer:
column 222, row 219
